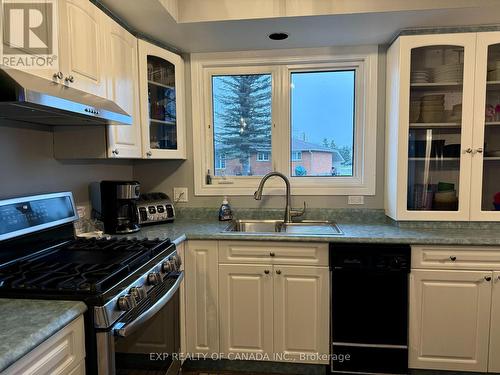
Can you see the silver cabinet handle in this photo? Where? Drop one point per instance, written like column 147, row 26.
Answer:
column 58, row 75
column 70, row 79
column 468, row 150
column 115, row 151
column 266, row 272
column 272, row 254
column 453, row 258
column 479, row 150
column 487, row 278
column 278, row 272
column 149, row 154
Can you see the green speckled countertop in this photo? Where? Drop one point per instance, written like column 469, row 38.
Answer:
column 370, row 232
column 25, row 324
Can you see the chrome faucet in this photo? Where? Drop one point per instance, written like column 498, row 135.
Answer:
column 289, row 212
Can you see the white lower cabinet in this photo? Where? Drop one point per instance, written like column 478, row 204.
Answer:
column 246, row 309
column 449, row 319
column 301, row 313
column 61, row 354
column 276, row 308
column 455, row 308
column 202, row 326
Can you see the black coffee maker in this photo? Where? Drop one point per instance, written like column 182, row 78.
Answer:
column 114, row 203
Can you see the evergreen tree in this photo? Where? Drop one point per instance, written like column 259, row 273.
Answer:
column 242, row 106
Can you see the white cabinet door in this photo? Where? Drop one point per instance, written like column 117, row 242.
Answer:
column 202, row 330
column 485, row 159
column 81, row 46
column 61, row 354
column 124, row 141
column 430, row 106
column 494, row 364
column 161, row 85
column 301, row 313
column 246, row 309
column 449, row 319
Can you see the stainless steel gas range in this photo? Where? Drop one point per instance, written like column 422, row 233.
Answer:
column 131, row 286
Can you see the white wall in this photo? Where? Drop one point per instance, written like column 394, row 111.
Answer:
column 27, row 165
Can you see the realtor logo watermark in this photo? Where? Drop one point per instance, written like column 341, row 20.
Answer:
column 29, row 34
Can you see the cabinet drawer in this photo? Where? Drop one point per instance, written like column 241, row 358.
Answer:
column 256, row 252
column 456, row 257
column 59, row 355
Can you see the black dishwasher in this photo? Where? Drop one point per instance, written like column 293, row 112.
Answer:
column 369, row 316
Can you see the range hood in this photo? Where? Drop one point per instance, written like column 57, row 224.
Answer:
column 26, row 97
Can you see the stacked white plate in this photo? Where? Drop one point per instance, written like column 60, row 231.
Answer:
column 432, row 108
column 494, row 71
column 420, row 76
column 449, row 73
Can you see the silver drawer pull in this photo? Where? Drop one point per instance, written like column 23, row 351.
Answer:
column 453, row 258
column 487, row 278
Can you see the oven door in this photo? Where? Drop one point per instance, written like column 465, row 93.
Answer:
column 145, row 341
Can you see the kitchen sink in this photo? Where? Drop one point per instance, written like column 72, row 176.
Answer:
column 305, row 227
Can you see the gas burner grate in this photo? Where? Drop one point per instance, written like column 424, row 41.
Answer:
column 82, row 266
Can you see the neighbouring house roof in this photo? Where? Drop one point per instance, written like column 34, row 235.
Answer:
column 303, row 146
column 298, row 145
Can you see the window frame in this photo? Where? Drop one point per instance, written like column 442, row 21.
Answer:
column 280, row 64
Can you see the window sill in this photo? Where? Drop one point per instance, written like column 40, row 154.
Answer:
column 233, row 187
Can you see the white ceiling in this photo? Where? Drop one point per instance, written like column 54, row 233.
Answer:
column 150, row 17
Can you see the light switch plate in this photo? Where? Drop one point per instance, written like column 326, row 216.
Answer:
column 180, row 194
column 356, row 199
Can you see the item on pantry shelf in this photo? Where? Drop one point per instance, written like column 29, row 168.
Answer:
column 418, row 149
column 496, row 201
column 225, row 212
column 445, row 186
column 493, row 153
column 445, row 201
column 414, row 110
column 451, row 151
column 420, row 76
column 497, row 112
column 449, row 73
column 490, row 113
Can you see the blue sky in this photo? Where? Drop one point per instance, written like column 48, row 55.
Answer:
column 322, row 106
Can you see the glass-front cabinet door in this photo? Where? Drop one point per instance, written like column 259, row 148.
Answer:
column 438, row 104
column 485, row 195
column 162, row 102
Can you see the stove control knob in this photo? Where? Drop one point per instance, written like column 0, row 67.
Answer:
column 126, row 302
column 177, row 261
column 168, row 266
column 154, row 278
column 138, row 292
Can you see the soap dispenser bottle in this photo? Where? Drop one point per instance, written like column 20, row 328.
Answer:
column 225, row 212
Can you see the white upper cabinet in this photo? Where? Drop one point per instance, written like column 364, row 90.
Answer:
column 122, row 73
column 161, row 83
column 438, row 164
column 81, row 46
column 485, row 198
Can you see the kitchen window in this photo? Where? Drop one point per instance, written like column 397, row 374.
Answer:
column 310, row 114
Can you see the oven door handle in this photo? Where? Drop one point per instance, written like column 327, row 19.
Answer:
column 128, row 329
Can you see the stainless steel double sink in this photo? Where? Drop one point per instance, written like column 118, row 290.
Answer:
column 304, row 227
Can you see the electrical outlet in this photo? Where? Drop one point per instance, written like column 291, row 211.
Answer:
column 355, row 199
column 180, row 194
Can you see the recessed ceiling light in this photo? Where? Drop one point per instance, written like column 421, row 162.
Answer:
column 278, row 36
